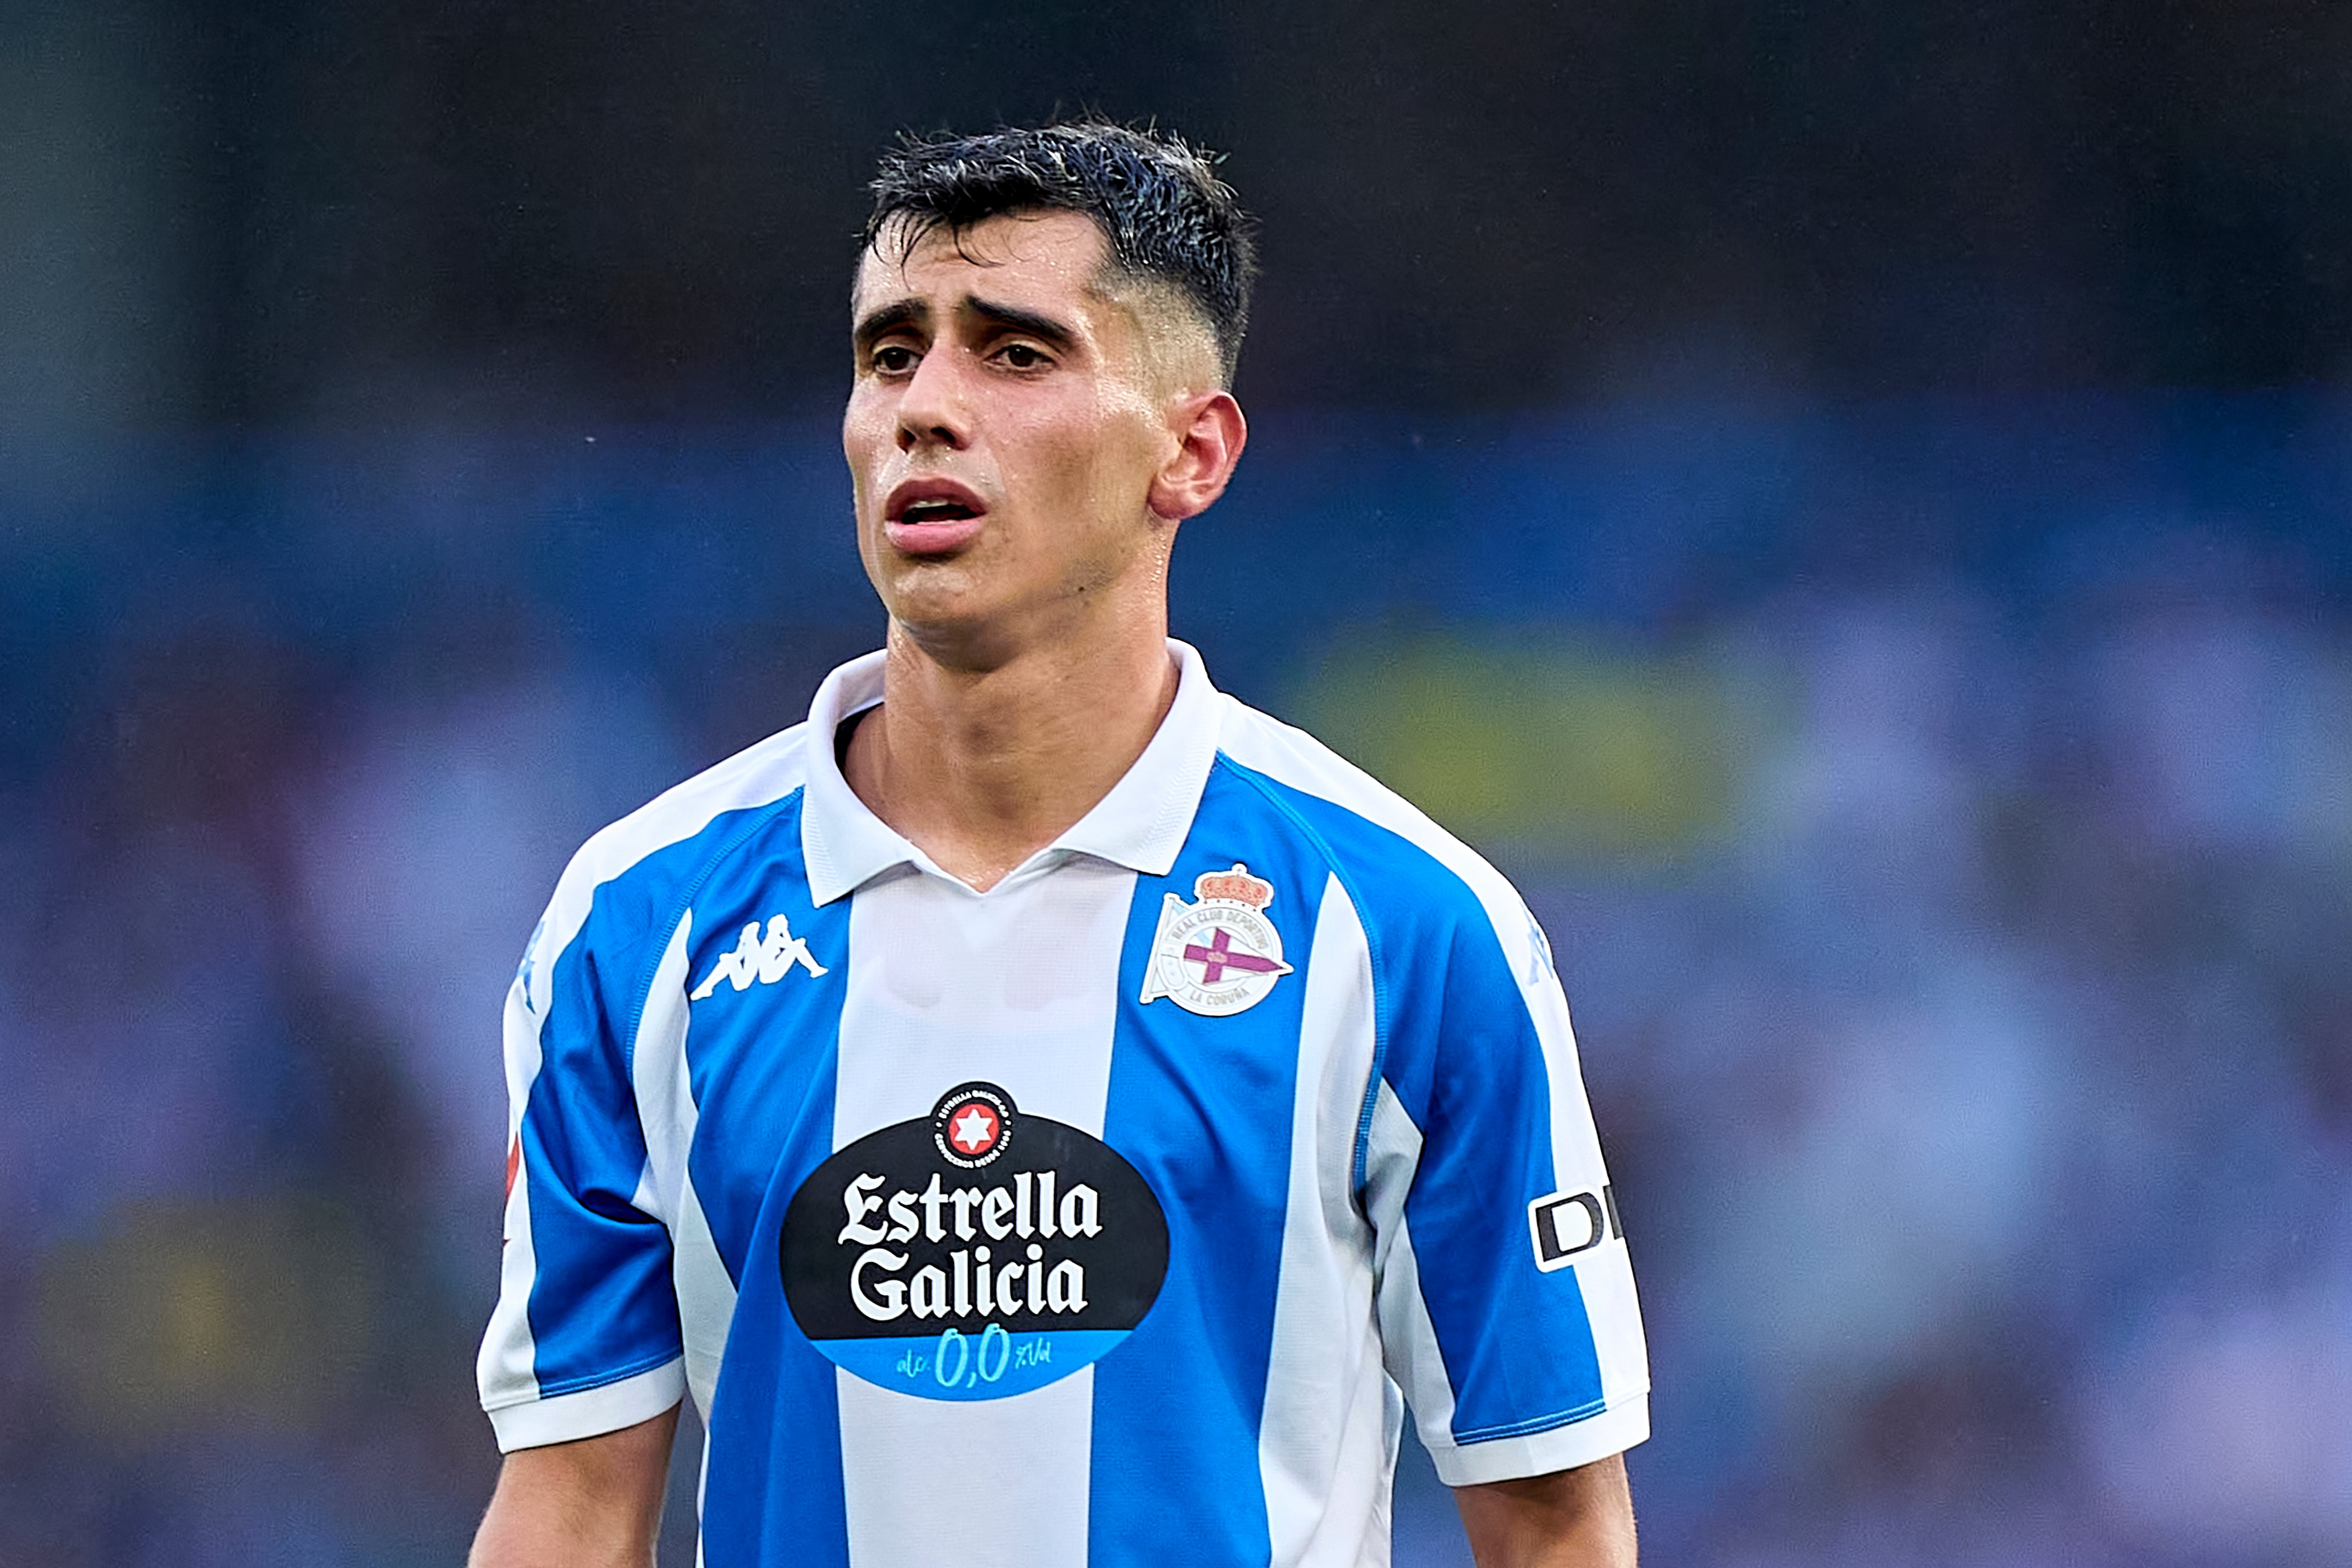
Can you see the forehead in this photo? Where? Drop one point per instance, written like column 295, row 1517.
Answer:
column 1018, row 258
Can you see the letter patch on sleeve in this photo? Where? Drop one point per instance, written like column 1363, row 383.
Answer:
column 1563, row 1225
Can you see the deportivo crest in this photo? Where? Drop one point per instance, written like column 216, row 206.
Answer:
column 1219, row 955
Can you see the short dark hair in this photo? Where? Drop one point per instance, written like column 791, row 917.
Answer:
column 1156, row 199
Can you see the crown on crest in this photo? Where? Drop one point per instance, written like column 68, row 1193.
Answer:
column 1235, row 887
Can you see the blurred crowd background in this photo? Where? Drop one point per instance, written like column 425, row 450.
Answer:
column 1850, row 504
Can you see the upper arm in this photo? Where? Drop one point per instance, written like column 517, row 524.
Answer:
column 593, row 1503
column 1581, row 1518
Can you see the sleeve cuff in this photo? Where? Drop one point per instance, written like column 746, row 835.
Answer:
column 1612, row 1431
column 591, row 1412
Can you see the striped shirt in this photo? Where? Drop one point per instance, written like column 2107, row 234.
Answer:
column 1146, row 1190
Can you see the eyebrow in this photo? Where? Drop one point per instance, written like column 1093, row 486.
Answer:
column 890, row 318
column 1055, row 332
column 901, row 314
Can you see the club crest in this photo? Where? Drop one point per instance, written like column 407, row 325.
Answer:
column 1219, row 955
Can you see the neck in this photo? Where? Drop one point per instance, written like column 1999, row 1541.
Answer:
column 980, row 766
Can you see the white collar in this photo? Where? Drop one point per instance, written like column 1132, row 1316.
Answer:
column 1141, row 824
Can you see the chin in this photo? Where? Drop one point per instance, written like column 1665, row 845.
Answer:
column 940, row 613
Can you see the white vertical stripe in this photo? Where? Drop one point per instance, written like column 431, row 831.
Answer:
column 701, row 1492
column 994, row 1483
column 1607, row 1281
column 1019, row 987
column 666, row 1107
column 1391, row 1156
column 1415, row 1359
column 1323, row 1438
column 506, row 1370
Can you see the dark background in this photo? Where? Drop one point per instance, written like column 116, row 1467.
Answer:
column 1850, row 504
column 301, row 208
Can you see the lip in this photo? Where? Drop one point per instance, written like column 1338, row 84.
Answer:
column 938, row 538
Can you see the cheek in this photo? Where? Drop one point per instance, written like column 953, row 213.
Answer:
column 866, row 433
column 1128, row 457
column 1045, row 463
column 1089, row 460
column 1106, row 458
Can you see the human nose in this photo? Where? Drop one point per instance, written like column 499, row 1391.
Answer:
column 932, row 409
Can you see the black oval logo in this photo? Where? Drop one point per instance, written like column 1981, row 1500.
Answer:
column 973, row 1253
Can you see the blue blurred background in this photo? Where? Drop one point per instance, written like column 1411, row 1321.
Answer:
column 1849, row 504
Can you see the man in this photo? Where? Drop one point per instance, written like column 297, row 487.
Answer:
column 1042, row 1110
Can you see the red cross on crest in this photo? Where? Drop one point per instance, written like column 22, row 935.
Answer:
column 1220, row 956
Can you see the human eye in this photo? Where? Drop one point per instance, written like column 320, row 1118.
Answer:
column 893, row 359
column 1017, row 355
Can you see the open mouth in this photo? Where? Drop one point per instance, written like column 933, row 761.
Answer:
column 925, row 511
column 932, row 516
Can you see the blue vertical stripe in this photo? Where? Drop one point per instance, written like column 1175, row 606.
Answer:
column 759, row 1060
column 761, row 1063
column 1461, row 1051
column 774, row 1494
column 1203, row 1108
column 601, row 1308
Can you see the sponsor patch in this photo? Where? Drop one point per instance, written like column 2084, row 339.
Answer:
column 972, row 1125
column 1219, row 955
column 1564, row 1225
column 974, row 1253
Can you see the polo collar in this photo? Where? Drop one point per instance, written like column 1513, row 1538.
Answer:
column 1141, row 824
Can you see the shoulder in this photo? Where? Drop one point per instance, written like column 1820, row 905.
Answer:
column 635, row 867
column 1396, row 862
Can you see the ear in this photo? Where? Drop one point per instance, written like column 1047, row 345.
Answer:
column 1210, row 435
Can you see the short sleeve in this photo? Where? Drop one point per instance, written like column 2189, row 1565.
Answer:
column 1505, row 1291
column 585, row 1338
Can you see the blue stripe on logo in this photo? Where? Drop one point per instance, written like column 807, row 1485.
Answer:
column 990, row 1364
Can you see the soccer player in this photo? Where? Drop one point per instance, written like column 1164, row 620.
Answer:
column 1042, row 1111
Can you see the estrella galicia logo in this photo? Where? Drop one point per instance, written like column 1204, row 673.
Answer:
column 972, row 1125
column 974, row 1253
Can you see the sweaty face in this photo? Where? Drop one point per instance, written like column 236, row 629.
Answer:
column 1002, row 432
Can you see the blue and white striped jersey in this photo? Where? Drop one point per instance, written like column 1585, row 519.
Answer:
column 1141, row 1192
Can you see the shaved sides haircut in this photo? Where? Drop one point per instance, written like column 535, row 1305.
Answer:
column 1166, row 215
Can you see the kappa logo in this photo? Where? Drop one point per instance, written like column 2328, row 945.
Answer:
column 763, row 959
column 1219, row 955
column 529, row 965
column 1540, row 965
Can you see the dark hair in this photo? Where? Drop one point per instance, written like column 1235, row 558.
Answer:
column 1157, row 200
